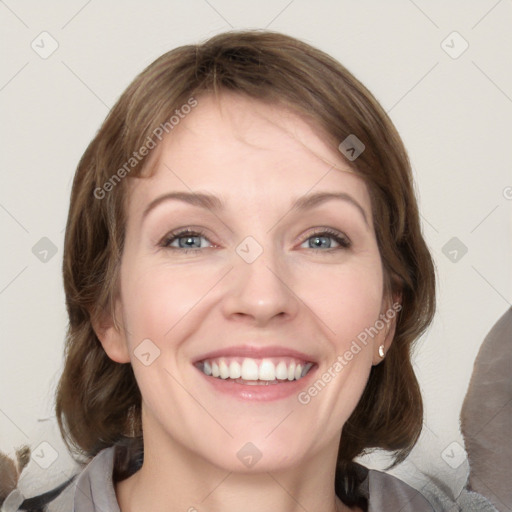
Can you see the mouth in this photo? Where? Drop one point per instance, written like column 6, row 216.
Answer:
column 255, row 371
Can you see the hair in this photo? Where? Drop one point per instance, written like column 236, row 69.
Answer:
column 98, row 402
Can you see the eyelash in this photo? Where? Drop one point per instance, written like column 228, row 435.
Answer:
column 339, row 238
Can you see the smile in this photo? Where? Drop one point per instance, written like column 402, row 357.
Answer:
column 254, row 371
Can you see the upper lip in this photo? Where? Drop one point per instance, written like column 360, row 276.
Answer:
column 255, row 352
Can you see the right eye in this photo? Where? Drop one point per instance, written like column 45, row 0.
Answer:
column 187, row 240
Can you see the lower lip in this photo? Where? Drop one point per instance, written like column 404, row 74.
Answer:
column 259, row 392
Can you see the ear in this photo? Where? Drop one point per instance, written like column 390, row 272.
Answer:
column 112, row 334
column 388, row 316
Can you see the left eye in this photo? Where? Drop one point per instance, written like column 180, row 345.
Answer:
column 323, row 240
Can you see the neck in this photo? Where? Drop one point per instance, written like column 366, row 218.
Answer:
column 175, row 478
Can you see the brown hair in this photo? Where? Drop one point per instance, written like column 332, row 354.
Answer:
column 98, row 402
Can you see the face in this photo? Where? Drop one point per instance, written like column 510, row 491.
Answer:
column 267, row 278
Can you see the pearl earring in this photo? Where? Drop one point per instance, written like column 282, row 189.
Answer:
column 381, row 350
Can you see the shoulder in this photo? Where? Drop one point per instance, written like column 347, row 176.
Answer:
column 94, row 489
column 387, row 493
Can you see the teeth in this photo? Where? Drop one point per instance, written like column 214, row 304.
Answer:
column 267, row 370
column 249, row 370
column 291, row 372
column 306, row 369
column 281, row 371
column 235, row 371
column 224, row 369
column 253, row 370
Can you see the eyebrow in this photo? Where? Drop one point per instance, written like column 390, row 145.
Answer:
column 213, row 203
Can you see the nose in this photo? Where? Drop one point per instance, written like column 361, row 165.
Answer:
column 260, row 292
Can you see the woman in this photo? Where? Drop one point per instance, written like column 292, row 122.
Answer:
column 245, row 275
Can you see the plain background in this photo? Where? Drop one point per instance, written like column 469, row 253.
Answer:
column 453, row 112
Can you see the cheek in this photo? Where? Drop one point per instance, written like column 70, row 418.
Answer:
column 162, row 305
column 348, row 304
column 156, row 300
column 347, row 299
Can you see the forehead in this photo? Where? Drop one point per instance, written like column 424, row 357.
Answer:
column 247, row 150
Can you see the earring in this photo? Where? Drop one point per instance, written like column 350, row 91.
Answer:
column 381, row 350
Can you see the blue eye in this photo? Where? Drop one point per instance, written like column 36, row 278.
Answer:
column 323, row 240
column 191, row 241
column 188, row 240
